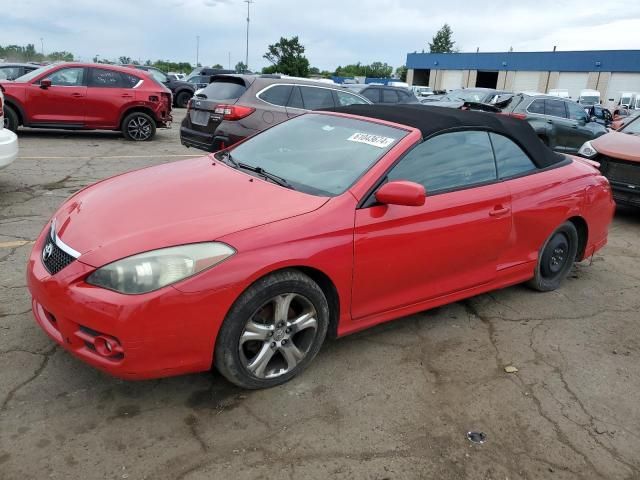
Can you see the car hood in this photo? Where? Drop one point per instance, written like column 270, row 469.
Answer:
column 182, row 83
column 619, row 145
column 172, row 204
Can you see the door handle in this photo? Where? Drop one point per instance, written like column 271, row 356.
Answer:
column 127, row 95
column 549, row 121
column 499, row 211
column 77, row 95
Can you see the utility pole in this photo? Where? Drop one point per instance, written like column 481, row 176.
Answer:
column 246, row 58
column 42, row 46
column 197, row 50
column 229, row 60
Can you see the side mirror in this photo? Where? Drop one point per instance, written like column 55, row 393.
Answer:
column 401, row 192
column 46, row 83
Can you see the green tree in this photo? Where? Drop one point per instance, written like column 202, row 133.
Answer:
column 240, row 67
column 376, row 70
column 124, row 60
column 217, row 65
column 287, row 57
column 442, row 41
column 60, row 56
column 401, row 73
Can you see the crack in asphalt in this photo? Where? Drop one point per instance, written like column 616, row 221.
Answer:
column 46, row 356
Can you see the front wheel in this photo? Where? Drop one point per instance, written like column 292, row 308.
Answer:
column 556, row 258
column 273, row 331
column 138, row 127
column 10, row 119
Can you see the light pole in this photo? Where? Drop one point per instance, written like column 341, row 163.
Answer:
column 42, row 46
column 246, row 58
column 197, row 50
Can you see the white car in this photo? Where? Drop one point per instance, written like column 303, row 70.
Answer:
column 8, row 139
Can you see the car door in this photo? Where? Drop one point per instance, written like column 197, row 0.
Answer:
column 563, row 127
column 390, row 96
column 405, row 255
column 580, row 130
column 307, row 97
column 372, row 93
column 108, row 94
column 63, row 103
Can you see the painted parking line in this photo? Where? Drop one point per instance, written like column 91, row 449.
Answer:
column 111, row 156
column 18, row 243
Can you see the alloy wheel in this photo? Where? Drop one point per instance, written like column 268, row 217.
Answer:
column 278, row 336
column 139, row 128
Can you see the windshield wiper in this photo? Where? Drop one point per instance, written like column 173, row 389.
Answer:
column 261, row 171
column 226, row 156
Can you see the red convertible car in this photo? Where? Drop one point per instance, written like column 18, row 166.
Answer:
column 323, row 225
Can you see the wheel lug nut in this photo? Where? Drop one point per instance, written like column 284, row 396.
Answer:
column 273, row 344
column 288, row 330
column 270, row 334
column 284, row 341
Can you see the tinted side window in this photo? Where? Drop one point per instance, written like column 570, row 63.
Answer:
column 129, row 81
column 345, row 99
column 104, row 78
column 372, row 94
column 389, row 96
column 510, row 158
column 555, row 108
column 315, row 98
column 67, row 77
column 576, row 112
column 537, row 106
column 9, row 73
column 448, row 161
column 296, row 99
column 277, row 95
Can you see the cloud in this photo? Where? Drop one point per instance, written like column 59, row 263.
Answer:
column 333, row 32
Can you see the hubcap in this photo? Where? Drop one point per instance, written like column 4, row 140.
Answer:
column 278, row 336
column 556, row 255
column 139, row 128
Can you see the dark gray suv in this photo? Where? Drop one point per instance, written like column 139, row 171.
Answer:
column 562, row 124
column 233, row 107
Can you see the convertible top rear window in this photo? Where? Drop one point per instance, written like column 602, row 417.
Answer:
column 319, row 154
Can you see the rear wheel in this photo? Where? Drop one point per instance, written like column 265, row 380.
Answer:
column 10, row 119
column 556, row 258
column 138, row 127
column 273, row 331
column 182, row 99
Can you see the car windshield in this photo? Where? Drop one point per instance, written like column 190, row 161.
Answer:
column 27, row 77
column 633, row 127
column 319, row 154
column 467, row 95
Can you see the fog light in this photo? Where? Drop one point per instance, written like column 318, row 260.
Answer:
column 104, row 346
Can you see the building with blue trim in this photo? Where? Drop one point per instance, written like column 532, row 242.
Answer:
column 608, row 71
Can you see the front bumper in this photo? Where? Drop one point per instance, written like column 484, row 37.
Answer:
column 158, row 334
column 8, row 147
column 626, row 194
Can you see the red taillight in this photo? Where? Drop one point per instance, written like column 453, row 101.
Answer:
column 519, row 116
column 233, row 112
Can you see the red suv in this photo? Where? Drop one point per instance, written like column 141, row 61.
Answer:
column 88, row 96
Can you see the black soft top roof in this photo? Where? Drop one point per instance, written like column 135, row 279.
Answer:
column 433, row 120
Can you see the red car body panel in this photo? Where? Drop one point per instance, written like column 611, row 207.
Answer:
column 382, row 261
column 84, row 106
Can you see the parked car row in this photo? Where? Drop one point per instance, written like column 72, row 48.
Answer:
column 8, row 139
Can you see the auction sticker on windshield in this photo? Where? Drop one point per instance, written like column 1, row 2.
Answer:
column 374, row 140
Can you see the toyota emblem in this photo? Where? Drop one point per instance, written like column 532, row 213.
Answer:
column 47, row 251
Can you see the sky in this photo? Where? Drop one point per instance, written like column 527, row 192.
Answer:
column 334, row 32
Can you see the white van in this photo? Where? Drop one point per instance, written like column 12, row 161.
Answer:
column 589, row 97
column 421, row 91
column 8, row 139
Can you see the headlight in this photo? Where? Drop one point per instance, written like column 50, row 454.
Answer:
column 587, row 150
column 150, row 271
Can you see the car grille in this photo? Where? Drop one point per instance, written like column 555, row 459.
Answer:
column 619, row 170
column 54, row 258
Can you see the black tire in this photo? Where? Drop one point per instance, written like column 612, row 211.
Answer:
column 556, row 258
column 231, row 359
column 182, row 98
column 138, row 127
column 11, row 120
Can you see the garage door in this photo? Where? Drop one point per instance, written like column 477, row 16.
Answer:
column 451, row 79
column 574, row 82
column 622, row 82
column 526, row 81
